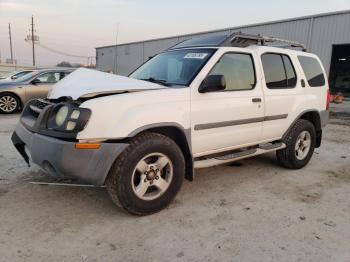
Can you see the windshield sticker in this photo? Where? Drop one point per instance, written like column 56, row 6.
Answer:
column 196, row 55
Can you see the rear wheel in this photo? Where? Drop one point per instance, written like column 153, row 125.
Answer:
column 9, row 103
column 300, row 142
column 147, row 176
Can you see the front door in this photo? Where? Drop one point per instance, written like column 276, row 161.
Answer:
column 232, row 118
column 41, row 85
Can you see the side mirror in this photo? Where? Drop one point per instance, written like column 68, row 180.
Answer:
column 212, row 83
column 36, row 81
column 13, row 77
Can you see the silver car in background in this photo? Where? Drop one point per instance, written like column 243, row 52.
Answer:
column 37, row 84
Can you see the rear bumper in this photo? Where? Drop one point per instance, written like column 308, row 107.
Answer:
column 324, row 116
column 60, row 158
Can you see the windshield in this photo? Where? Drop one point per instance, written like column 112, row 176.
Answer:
column 26, row 77
column 178, row 67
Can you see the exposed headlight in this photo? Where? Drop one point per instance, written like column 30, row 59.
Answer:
column 68, row 117
column 61, row 115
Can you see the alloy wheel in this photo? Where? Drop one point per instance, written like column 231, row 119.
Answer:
column 152, row 176
column 8, row 103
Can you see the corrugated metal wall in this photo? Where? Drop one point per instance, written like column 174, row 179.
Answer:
column 317, row 32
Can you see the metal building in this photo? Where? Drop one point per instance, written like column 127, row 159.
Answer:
column 327, row 35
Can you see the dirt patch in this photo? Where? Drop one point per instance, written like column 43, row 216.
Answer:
column 301, row 193
column 3, row 191
column 340, row 174
column 309, row 194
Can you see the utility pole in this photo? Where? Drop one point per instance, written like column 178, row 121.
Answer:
column 10, row 37
column 116, row 49
column 33, row 40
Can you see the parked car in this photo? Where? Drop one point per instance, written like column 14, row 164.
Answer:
column 202, row 103
column 36, row 84
column 14, row 75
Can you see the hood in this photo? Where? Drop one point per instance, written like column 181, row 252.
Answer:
column 7, row 83
column 84, row 83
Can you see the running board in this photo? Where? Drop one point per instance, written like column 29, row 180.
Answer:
column 220, row 160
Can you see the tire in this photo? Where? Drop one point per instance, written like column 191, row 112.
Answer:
column 124, row 181
column 293, row 157
column 9, row 103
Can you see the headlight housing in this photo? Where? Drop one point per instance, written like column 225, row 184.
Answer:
column 68, row 117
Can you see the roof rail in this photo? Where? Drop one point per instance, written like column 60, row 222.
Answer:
column 243, row 40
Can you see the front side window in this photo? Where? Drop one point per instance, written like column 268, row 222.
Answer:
column 177, row 67
column 312, row 70
column 50, row 77
column 238, row 70
column 279, row 71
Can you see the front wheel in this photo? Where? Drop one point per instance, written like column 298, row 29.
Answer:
column 300, row 142
column 147, row 176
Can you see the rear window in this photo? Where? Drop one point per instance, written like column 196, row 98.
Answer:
column 312, row 70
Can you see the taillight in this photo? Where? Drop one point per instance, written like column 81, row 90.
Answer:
column 328, row 99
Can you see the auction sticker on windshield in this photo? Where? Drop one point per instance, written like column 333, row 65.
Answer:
column 196, row 55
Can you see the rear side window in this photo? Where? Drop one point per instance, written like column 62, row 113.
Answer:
column 279, row 71
column 238, row 70
column 312, row 70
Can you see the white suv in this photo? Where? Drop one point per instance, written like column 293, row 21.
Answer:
column 204, row 102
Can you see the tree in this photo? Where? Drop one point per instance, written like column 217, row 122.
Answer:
column 64, row 64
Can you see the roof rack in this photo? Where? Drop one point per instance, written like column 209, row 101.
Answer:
column 243, row 40
column 237, row 39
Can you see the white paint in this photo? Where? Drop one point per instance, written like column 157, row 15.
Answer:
column 117, row 116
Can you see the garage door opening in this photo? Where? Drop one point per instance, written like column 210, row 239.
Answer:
column 339, row 75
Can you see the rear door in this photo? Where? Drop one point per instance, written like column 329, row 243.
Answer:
column 282, row 87
column 232, row 118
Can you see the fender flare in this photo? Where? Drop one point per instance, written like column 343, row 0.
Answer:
column 185, row 147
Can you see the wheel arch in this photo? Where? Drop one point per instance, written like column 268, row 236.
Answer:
column 314, row 117
column 179, row 134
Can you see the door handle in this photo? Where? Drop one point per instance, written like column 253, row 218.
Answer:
column 256, row 100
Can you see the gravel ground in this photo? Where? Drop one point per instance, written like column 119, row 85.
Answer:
column 250, row 211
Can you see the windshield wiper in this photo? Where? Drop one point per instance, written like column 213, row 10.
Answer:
column 158, row 81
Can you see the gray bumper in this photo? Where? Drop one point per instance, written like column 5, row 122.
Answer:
column 60, row 158
column 324, row 116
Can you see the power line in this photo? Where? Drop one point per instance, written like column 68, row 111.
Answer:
column 62, row 53
column 34, row 39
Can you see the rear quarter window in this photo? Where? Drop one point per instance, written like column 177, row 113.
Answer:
column 312, row 70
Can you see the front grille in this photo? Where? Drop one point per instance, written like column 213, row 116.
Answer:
column 37, row 105
column 41, row 103
column 32, row 110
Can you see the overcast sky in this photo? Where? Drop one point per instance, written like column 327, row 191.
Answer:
column 78, row 26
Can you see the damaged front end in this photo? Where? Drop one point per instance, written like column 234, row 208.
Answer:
column 46, row 135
